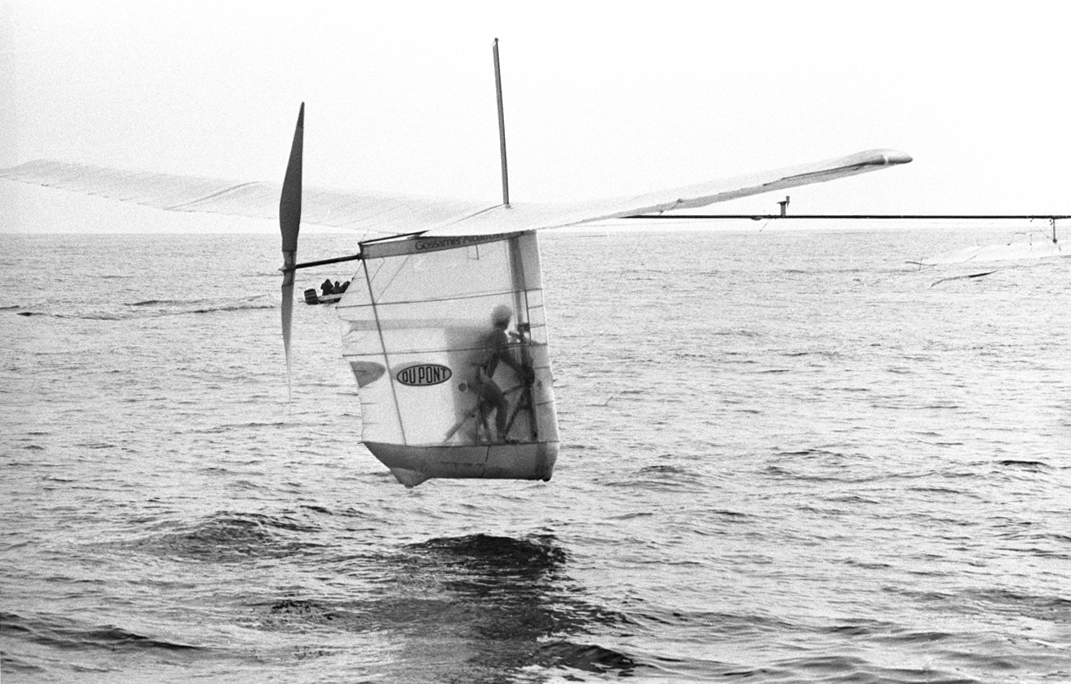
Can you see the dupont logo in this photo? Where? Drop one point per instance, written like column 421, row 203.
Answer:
column 422, row 375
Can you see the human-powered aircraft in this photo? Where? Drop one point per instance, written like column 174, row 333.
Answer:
column 445, row 324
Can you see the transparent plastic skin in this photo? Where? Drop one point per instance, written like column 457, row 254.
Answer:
column 415, row 331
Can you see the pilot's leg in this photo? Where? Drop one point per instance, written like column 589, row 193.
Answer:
column 493, row 395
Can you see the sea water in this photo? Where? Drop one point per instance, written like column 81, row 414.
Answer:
column 786, row 456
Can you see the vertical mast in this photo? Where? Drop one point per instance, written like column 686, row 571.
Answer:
column 501, row 128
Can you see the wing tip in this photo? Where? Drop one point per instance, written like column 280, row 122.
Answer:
column 892, row 157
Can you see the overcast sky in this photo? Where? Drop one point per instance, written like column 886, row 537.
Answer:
column 602, row 99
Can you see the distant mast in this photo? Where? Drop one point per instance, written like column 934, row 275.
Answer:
column 501, row 128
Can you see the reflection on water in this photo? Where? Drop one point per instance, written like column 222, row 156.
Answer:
column 482, row 606
column 475, row 608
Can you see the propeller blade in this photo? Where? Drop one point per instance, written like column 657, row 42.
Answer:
column 289, row 225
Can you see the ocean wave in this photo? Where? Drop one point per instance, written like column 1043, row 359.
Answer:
column 292, row 613
column 1053, row 609
column 14, row 666
column 65, row 633
column 661, row 477
column 150, row 308
column 856, row 669
column 204, row 305
column 169, row 302
column 1025, row 465
column 230, row 537
column 181, row 307
column 506, row 601
column 483, row 552
column 585, row 657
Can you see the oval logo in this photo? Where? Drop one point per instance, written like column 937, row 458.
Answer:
column 423, row 374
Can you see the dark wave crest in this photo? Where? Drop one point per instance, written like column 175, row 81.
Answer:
column 231, row 537
column 482, row 552
column 585, row 657
column 177, row 307
column 149, row 308
column 491, row 605
column 63, row 633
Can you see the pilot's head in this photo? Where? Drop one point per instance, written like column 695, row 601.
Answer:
column 501, row 316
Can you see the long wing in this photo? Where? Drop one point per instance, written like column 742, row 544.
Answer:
column 391, row 215
column 517, row 217
column 365, row 212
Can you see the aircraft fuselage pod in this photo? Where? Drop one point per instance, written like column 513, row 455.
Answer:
column 447, row 389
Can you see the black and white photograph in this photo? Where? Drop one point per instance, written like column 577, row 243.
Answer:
column 548, row 342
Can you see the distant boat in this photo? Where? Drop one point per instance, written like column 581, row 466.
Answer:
column 312, row 298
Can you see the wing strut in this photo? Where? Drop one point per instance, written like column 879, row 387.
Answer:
column 289, row 225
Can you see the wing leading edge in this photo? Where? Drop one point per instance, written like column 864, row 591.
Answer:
column 521, row 216
column 373, row 214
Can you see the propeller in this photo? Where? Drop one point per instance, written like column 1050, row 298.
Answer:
column 289, row 225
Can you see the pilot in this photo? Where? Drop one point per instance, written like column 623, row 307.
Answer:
column 327, row 288
column 494, row 347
